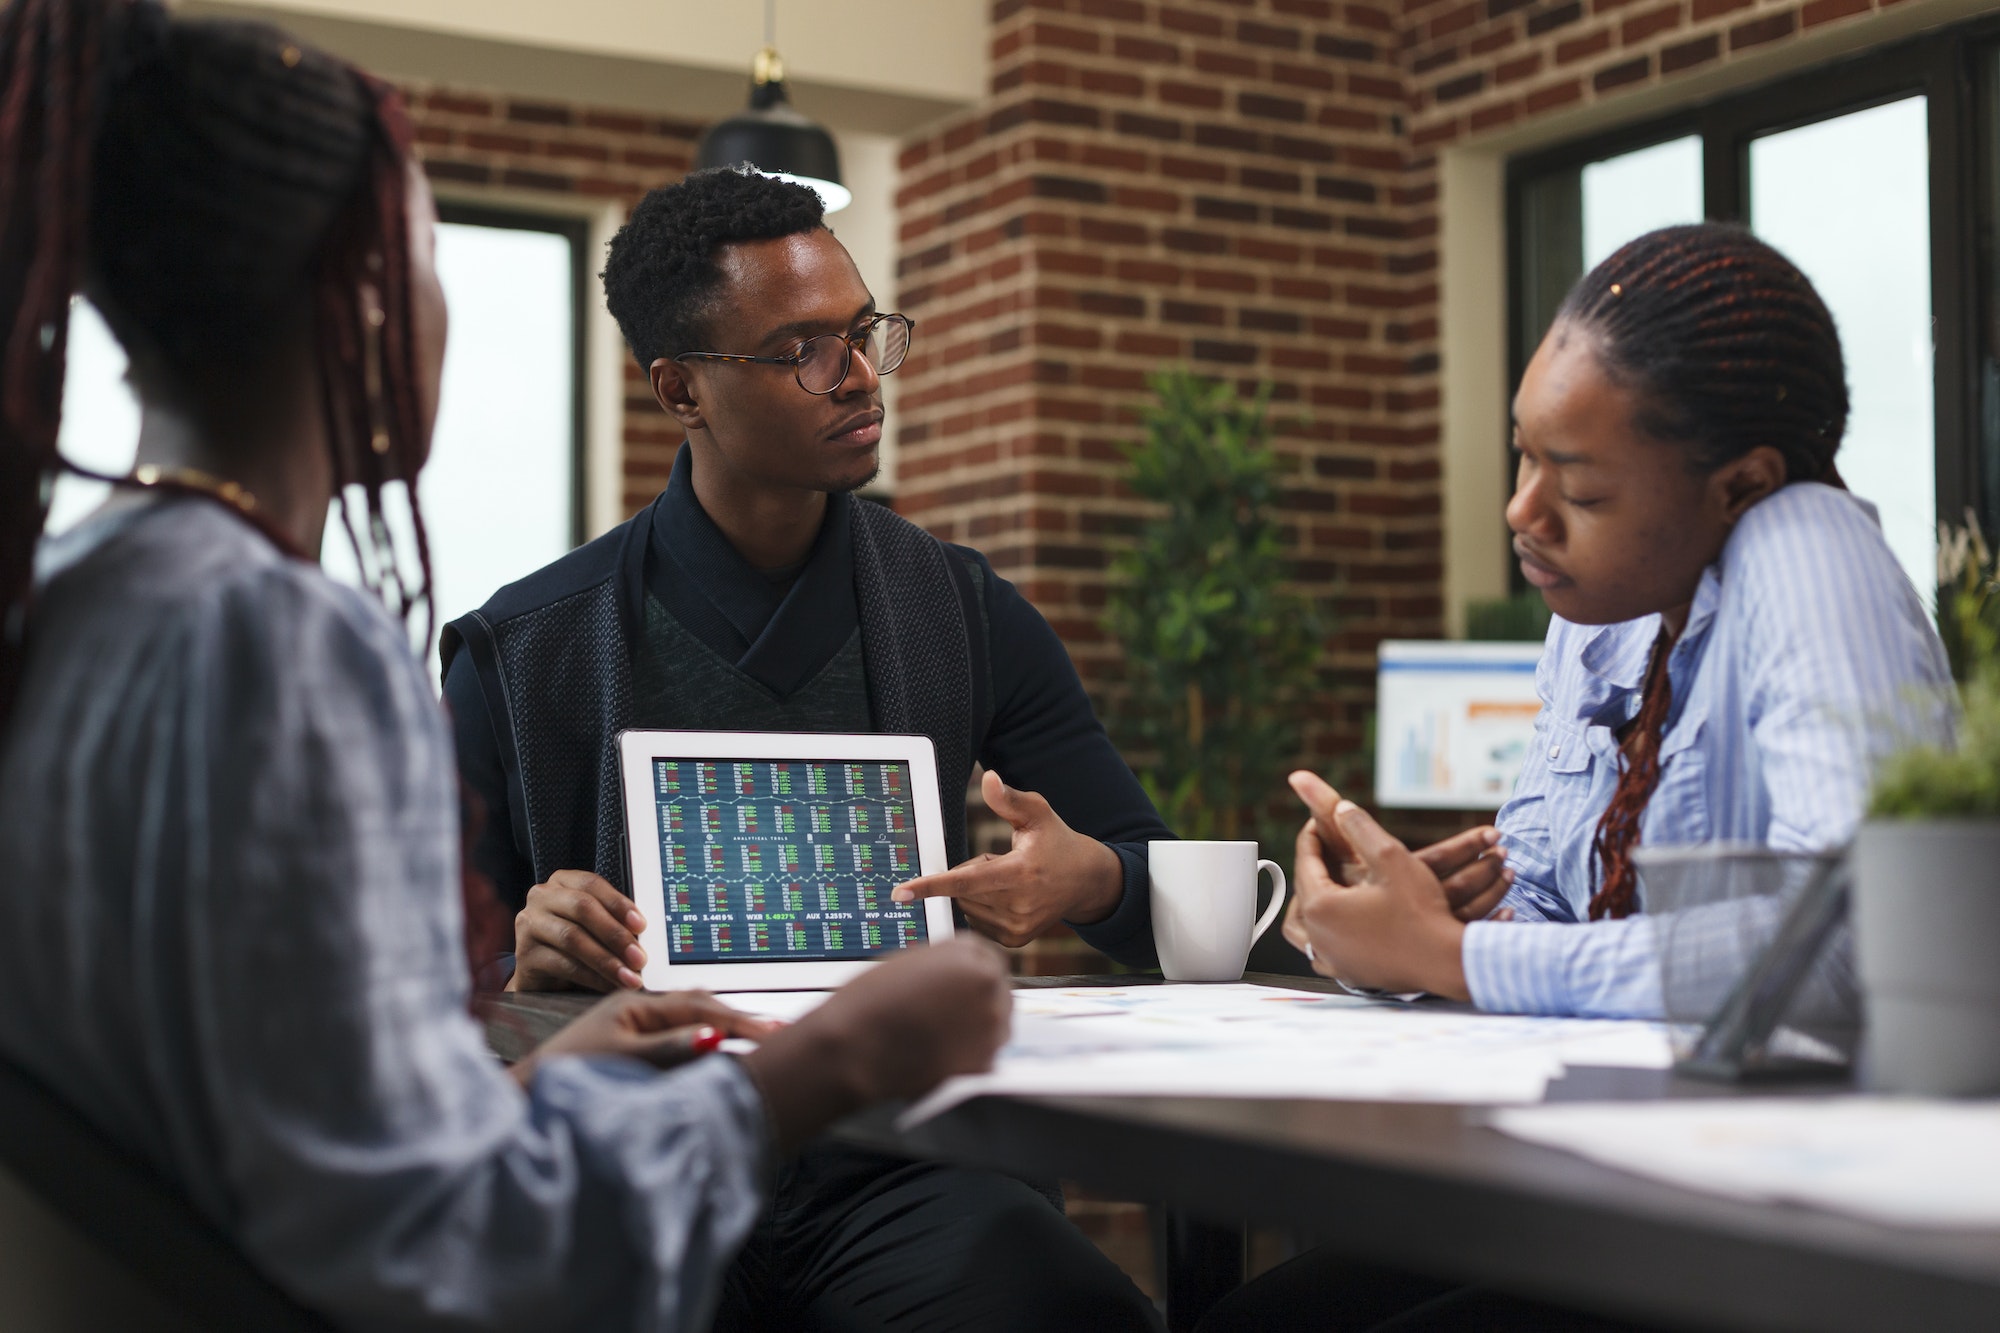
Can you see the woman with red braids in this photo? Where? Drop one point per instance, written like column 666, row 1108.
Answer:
column 236, row 921
column 1733, row 648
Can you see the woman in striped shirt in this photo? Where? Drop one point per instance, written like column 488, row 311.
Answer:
column 1733, row 649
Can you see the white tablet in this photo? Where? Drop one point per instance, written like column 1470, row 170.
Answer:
column 764, row 860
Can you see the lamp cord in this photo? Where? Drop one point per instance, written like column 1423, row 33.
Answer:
column 771, row 23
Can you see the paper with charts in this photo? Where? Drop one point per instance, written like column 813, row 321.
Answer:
column 1261, row 1041
column 1904, row 1162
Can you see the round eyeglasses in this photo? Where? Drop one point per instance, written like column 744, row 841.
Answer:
column 821, row 364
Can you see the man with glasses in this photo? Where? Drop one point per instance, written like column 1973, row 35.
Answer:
column 757, row 593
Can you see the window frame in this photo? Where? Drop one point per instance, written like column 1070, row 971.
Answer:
column 1944, row 68
column 576, row 230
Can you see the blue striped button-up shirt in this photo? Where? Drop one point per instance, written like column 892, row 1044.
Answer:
column 1806, row 658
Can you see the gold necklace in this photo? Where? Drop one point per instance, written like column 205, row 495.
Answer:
column 194, row 479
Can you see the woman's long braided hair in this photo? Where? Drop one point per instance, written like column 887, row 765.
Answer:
column 200, row 180
column 1726, row 347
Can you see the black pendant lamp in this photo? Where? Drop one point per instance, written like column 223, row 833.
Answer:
column 772, row 136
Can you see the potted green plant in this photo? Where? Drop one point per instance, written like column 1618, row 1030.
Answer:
column 1927, row 866
column 1219, row 653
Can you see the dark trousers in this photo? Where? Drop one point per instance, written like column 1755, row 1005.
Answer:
column 853, row 1240
column 1321, row 1292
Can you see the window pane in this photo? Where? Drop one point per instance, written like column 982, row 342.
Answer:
column 1848, row 201
column 499, row 489
column 1625, row 197
column 100, row 421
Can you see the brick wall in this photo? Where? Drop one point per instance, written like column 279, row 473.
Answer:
column 1479, row 65
column 473, row 140
column 1222, row 186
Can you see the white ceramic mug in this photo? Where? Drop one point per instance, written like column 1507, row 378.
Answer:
column 1204, row 901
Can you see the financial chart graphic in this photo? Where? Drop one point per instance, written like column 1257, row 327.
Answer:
column 767, row 860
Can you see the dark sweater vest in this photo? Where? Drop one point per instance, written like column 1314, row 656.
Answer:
column 682, row 684
column 563, row 660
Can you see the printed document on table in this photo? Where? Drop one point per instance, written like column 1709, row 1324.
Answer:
column 1239, row 1040
column 1907, row 1163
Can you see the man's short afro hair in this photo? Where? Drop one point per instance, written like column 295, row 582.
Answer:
column 660, row 276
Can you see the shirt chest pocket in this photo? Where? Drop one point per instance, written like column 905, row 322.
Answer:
column 1678, row 811
column 1582, row 780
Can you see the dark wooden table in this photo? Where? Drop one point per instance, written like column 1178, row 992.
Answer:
column 1436, row 1189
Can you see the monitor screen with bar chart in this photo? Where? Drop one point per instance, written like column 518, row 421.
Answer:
column 1453, row 722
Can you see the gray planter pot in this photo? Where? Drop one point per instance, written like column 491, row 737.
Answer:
column 1927, row 941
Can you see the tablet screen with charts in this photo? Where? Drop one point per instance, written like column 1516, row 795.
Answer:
column 764, row 860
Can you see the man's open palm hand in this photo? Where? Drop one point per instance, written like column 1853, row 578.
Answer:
column 1051, row 874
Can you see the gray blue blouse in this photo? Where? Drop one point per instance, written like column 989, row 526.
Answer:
column 229, row 814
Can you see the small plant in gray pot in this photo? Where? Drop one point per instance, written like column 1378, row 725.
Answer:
column 1927, row 867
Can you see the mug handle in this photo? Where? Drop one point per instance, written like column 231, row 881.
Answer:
column 1265, row 921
